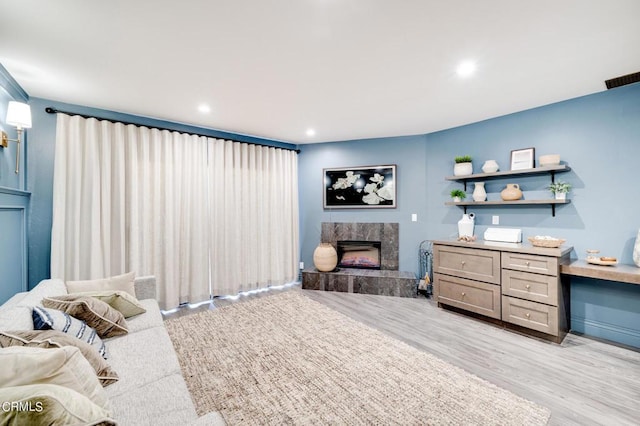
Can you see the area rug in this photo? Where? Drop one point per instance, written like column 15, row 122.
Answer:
column 286, row 359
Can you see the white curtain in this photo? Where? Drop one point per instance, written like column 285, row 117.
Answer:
column 193, row 211
column 254, row 216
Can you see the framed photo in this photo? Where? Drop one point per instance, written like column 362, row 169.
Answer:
column 360, row 187
column 523, row 159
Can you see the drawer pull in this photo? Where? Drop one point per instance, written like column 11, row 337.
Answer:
column 462, row 263
column 527, row 286
column 527, row 315
column 527, row 263
column 463, row 294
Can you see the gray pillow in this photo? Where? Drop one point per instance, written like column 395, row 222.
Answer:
column 107, row 322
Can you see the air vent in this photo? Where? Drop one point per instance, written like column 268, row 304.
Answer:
column 623, row 81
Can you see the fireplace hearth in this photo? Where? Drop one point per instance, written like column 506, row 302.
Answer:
column 385, row 279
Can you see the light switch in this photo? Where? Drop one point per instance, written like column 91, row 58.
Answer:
column 414, row 217
column 495, row 220
column 301, row 265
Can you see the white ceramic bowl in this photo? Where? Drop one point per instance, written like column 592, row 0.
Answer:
column 549, row 160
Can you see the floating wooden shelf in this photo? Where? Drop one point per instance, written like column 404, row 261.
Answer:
column 550, row 202
column 552, row 170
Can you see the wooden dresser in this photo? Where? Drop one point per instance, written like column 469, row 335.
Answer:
column 516, row 285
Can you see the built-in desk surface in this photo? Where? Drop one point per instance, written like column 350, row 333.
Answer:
column 621, row 272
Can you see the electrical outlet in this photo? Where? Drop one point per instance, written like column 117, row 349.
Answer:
column 414, row 217
column 301, row 265
column 495, row 220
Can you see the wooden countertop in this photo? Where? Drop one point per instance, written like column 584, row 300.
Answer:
column 511, row 247
column 621, row 272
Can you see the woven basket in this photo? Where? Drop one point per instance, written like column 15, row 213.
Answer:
column 537, row 242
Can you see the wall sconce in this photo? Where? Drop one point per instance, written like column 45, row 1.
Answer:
column 18, row 115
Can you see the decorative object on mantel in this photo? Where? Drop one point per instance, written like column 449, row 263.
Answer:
column 546, row 241
column 549, row 160
column 636, row 251
column 479, row 193
column 325, row 257
column 522, row 159
column 458, row 195
column 464, row 166
column 560, row 189
column 490, row 166
column 466, row 225
column 360, row 187
column 511, row 193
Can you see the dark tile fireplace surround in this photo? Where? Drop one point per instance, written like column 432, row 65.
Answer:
column 387, row 281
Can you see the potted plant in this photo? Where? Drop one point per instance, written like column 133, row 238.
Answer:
column 463, row 165
column 560, row 189
column 458, row 195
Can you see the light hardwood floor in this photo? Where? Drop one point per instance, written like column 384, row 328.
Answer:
column 582, row 381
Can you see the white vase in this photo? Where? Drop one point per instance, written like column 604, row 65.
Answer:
column 636, row 251
column 466, row 224
column 490, row 166
column 479, row 194
column 463, row 169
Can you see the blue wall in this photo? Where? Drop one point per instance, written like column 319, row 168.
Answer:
column 598, row 136
column 14, row 201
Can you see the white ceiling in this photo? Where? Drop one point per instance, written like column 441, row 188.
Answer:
column 350, row 69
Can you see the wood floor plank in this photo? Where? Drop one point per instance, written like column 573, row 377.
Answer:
column 582, row 381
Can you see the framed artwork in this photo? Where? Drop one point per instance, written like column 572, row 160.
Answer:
column 523, row 159
column 360, row 187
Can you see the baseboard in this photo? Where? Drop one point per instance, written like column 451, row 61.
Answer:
column 602, row 330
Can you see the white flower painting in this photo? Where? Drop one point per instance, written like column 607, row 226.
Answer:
column 360, row 187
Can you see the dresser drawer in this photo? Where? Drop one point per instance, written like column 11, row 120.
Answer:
column 481, row 265
column 530, row 263
column 469, row 295
column 535, row 316
column 535, row 287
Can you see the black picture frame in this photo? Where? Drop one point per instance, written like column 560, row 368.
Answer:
column 522, row 159
column 364, row 187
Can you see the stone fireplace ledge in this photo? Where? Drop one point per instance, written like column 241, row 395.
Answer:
column 365, row 281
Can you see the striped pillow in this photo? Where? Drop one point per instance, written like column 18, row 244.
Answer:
column 46, row 319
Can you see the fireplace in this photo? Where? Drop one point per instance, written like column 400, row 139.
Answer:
column 359, row 254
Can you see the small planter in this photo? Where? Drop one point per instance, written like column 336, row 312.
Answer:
column 456, row 199
column 463, row 169
column 561, row 196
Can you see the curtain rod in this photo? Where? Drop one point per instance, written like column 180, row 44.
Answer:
column 52, row 110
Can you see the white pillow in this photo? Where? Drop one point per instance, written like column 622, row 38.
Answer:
column 122, row 282
column 51, row 404
column 66, row 366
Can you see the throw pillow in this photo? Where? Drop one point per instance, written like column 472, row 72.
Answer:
column 107, row 322
column 122, row 282
column 58, row 339
column 57, row 366
column 128, row 305
column 45, row 404
column 52, row 319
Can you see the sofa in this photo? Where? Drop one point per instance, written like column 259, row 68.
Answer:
column 150, row 389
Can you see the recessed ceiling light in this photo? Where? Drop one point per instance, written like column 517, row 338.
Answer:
column 311, row 132
column 204, row 108
column 466, row 69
